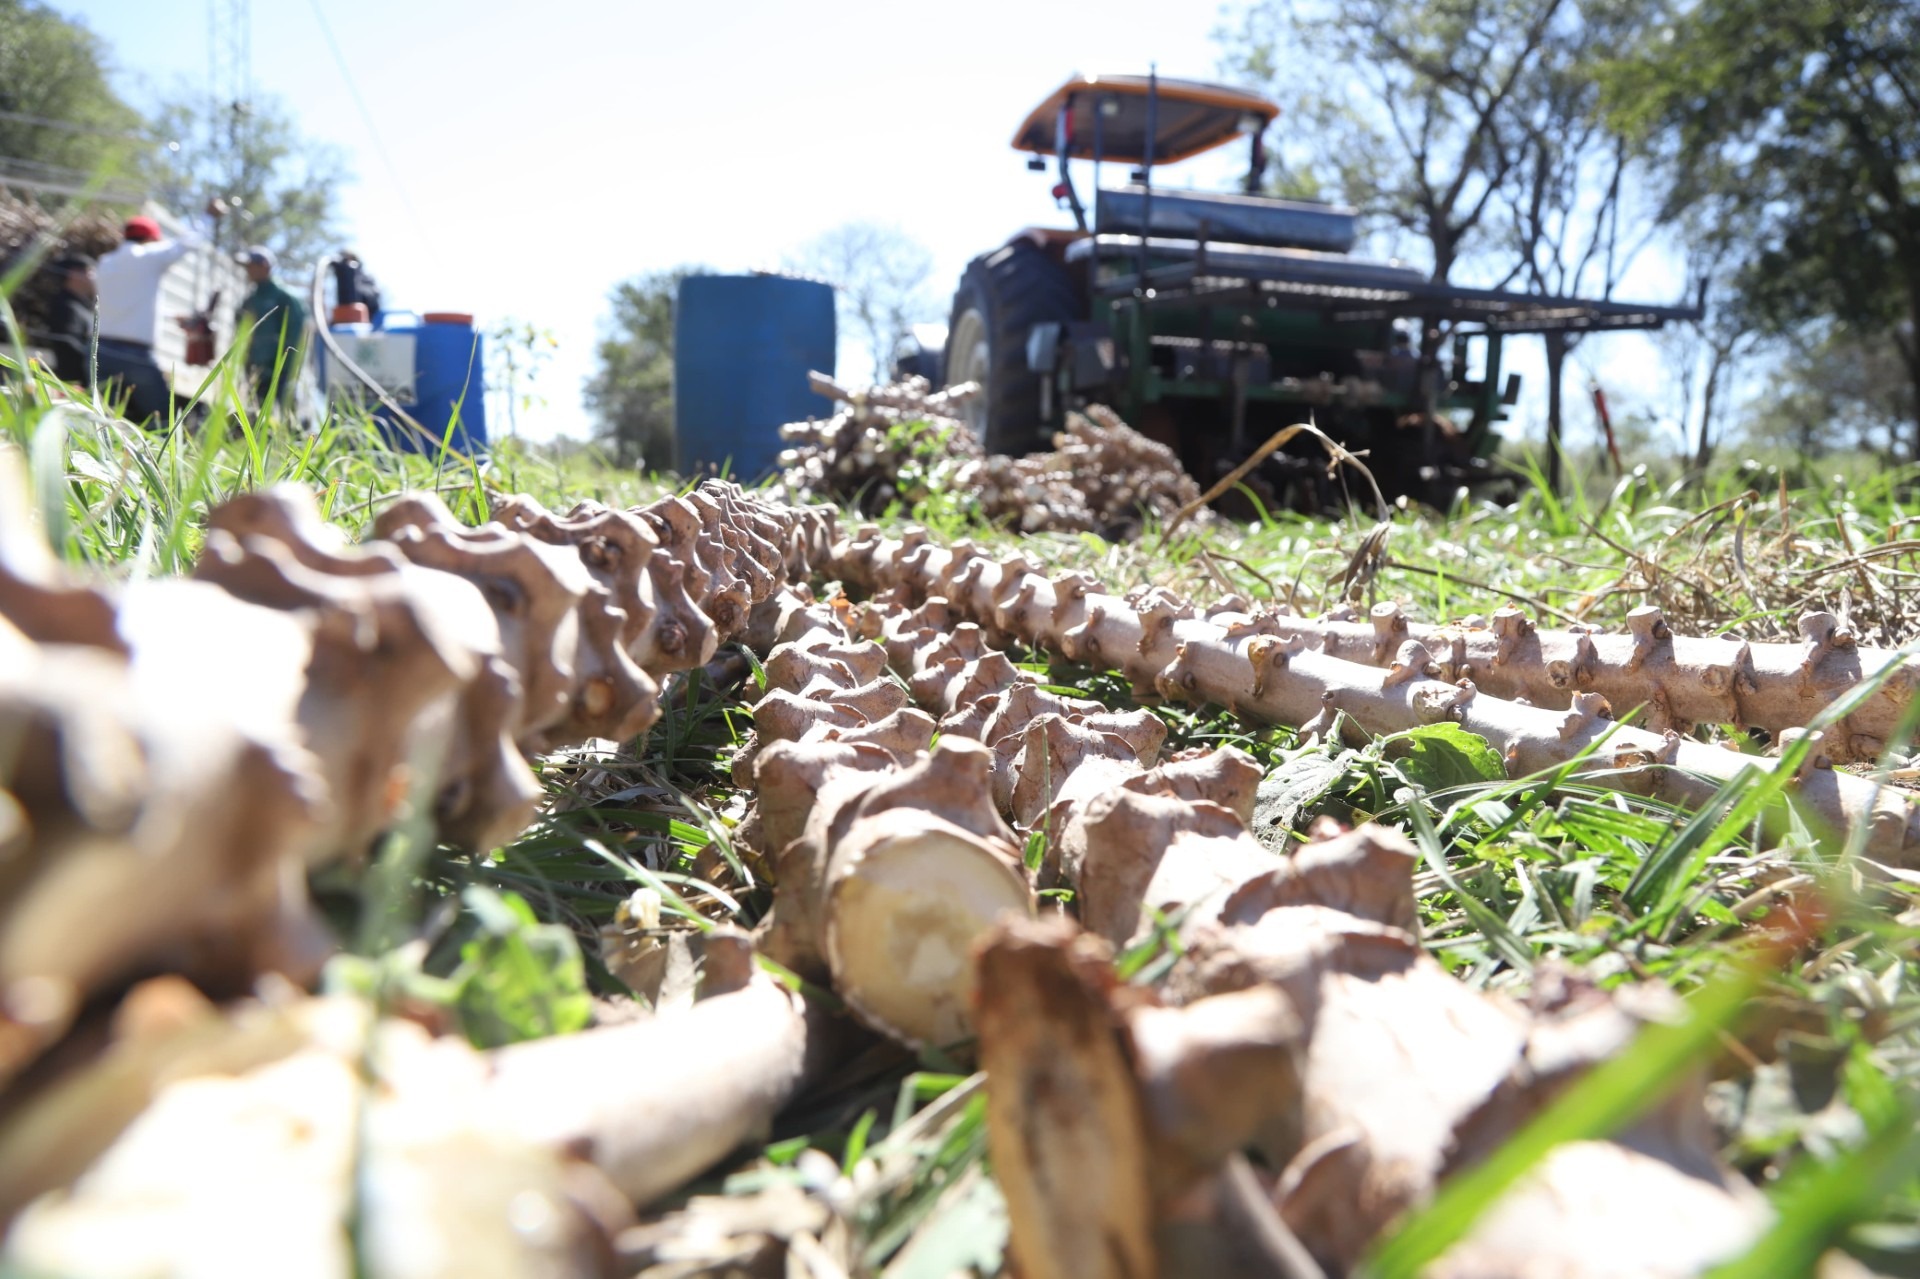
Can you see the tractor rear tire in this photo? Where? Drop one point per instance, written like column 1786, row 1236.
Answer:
column 1001, row 297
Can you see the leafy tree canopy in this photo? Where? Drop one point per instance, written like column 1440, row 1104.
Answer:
column 64, row 129
column 61, row 123
column 1797, row 125
column 281, row 189
column 630, row 391
column 879, row 274
column 1840, row 391
column 1420, row 114
column 1468, row 133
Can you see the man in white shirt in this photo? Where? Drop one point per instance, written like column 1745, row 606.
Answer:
column 130, row 316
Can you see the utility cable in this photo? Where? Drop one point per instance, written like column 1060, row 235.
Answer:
column 37, row 175
column 47, row 122
column 373, row 130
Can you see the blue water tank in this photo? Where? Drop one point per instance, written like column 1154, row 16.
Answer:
column 742, row 348
column 449, row 370
column 433, row 366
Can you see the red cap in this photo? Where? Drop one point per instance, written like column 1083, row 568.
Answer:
column 141, row 230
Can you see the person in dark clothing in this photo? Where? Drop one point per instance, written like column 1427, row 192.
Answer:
column 69, row 335
column 352, row 285
column 279, row 338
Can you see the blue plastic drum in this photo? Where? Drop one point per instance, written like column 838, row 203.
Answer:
column 432, row 366
column 742, row 348
column 450, row 382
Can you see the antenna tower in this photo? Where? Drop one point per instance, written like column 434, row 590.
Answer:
column 229, row 103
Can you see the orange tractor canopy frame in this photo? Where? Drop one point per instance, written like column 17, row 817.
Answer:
column 1190, row 117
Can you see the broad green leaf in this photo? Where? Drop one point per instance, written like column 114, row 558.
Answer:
column 1290, row 789
column 1438, row 756
column 518, row 978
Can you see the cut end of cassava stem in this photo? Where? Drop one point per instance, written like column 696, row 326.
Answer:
column 910, row 898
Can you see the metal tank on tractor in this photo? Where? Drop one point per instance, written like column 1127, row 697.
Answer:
column 1209, row 321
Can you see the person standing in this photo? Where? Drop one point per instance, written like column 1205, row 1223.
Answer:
column 69, row 332
column 129, row 288
column 353, row 286
column 279, row 337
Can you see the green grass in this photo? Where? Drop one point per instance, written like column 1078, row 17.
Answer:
column 1516, row 873
column 132, row 501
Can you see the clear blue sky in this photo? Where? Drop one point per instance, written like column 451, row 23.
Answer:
column 543, row 151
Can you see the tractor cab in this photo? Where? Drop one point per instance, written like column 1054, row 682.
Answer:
column 1209, row 320
column 1142, row 121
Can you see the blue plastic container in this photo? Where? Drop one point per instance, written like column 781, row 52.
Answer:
column 446, row 360
column 449, row 372
column 742, row 348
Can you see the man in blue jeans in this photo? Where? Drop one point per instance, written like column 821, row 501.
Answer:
column 129, row 284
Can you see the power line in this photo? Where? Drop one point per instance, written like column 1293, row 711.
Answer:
column 113, row 195
column 373, row 130
column 38, row 175
column 22, row 117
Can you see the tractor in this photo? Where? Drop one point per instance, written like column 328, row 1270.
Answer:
column 1209, row 321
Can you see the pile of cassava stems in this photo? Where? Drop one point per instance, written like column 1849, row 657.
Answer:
column 177, row 755
column 894, row 445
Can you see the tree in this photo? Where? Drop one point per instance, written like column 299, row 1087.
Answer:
column 1402, row 108
column 517, row 354
column 879, row 275
column 631, row 389
column 1841, row 390
column 61, row 123
column 1567, row 193
column 1707, row 354
column 1801, row 122
column 281, row 189
column 1470, row 128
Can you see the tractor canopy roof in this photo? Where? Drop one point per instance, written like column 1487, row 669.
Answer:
column 1190, row 117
